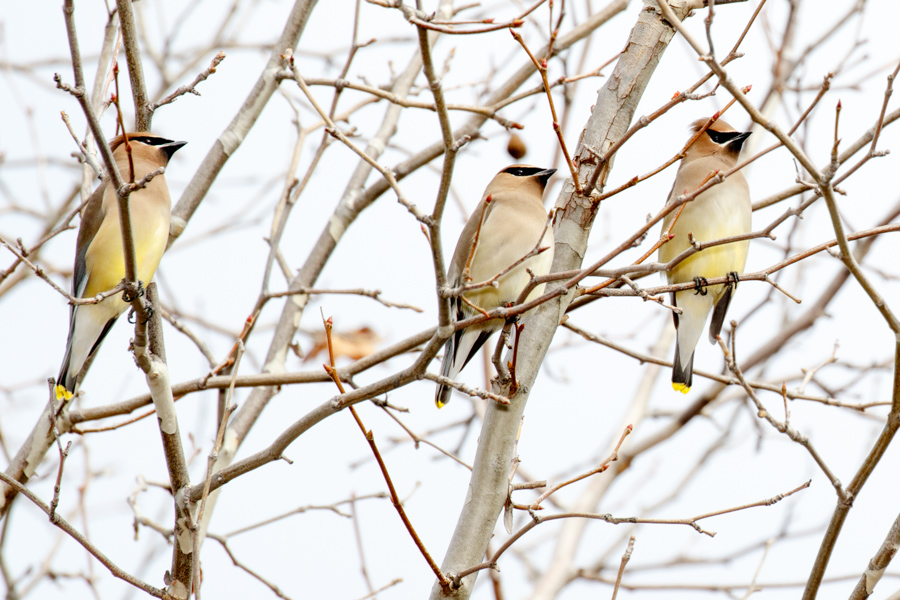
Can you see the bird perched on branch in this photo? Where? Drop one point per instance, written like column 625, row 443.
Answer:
column 508, row 225
column 99, row 253
column 721, row 211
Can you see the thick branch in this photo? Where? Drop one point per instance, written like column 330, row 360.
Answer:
column 142, row 113
column 609, row 120
column 230, row 139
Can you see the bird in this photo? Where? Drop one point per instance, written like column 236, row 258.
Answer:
column 99, row 252
column 508, row 224
column 723, row 210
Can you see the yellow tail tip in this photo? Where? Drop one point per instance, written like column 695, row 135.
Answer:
column 440, row 404
column 62, row 393
column 680, row 387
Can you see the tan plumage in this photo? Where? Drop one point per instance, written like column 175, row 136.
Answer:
column 99, row 253
column 722, row 211
column 509, row 222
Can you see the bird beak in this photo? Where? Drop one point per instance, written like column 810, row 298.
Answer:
column 544, row 176
column 738, row 141
column 173, row 147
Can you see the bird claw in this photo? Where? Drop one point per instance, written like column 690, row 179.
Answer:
column 148, row 307
column 732, row 279
column 127, row 297
column 700, row 283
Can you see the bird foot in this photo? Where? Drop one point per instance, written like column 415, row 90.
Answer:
column 732, row 279
column 128, row 297
column 700, row 283
column 148, row 307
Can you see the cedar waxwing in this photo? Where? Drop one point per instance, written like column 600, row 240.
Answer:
column 509, row 222
column 722, row 211
column 100, row 255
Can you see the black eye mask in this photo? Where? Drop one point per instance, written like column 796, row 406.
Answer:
column 167, row 146
column 722, row 137
column 523, row 171
column 150, row 141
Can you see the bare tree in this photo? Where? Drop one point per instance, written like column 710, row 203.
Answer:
column 331, row 146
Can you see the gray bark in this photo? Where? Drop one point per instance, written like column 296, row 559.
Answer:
column 612, row 114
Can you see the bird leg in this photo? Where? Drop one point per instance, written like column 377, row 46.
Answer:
column 732, row 279
column 700, row 283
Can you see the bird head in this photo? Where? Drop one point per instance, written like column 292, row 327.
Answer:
column 157, row 147
column 720, row 138
column 524, row 177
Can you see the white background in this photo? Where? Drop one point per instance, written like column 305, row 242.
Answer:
column 583, row 390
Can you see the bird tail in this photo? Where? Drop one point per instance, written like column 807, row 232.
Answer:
column 682, row 376
column 65, row 382
column 457, row 353
column 65, row 388
column 695, row 308
column 80, row 352
column 442, row 395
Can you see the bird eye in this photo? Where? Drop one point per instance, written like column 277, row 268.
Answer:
column 522, row 171
column 150, row 141
column 722, row 137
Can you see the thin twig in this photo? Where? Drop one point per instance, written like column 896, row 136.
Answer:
column 692, row 522
column 625, row 558
column 191, row 87
column 58, row 521
column 541, row 66
column 790, row 432
column 370, row 438
column 614, row 456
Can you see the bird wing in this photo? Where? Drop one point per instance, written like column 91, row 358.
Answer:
column 721, row 211
column 467, row 244
column 91, row 218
